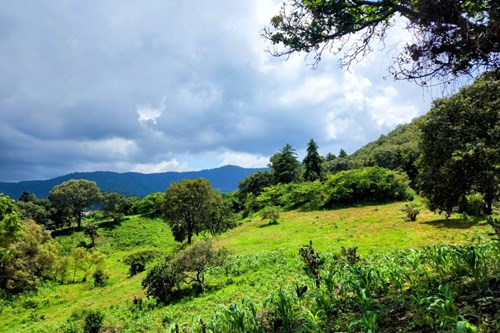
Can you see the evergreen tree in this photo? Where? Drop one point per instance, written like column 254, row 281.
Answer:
column 312, row 162
column 342, row 153
column 285, row 166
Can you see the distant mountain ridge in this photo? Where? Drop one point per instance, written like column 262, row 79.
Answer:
column 225, row 179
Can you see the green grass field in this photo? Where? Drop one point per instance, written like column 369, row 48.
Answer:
column 263, row 258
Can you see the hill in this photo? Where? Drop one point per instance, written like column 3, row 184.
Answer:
column 264, row 258
column 397, row 150
column 225, row 179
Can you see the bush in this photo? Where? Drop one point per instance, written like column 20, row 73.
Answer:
column 272, row 213
column 307, row 195
column 411, row 211
column 139, row 260
column 100, row 278
column 93, row 321
column 163, row 281
column 474, row 204
column 371, row 184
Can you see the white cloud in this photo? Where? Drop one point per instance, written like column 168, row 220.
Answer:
column 162, row 166
column 245, row 160
column 148, row 113
column 117, row 147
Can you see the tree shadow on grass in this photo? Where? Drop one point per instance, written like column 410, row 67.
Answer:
column 66, row 231
column 456, row 223
column 111, row 224
column 268, row 224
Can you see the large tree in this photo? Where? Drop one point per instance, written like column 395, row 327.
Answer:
column 190, row 207
column 312, row 162
column 284, row 165
column 449, row 36
column 460, row 147
column 75, row 196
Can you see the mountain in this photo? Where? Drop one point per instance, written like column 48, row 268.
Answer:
column 225, row 179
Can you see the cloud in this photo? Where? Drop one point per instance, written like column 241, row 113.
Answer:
column 174, row 85
column 162, row 166
column 245, row 160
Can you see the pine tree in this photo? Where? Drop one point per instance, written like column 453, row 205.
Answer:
column 312, row 162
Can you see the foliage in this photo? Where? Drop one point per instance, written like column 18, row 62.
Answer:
column 93, row 321
column 91, row 231
column 196, row 259
column 474, row 204
column 75, row 196
column 138, row 260
column 39, row 210
column 336, row 165
column 398, row 150
column 190, row 207
column 306, row 195
column 411, row 211
column 115, row 206
column 284, row 165
column 151, row 205
column 460, row 151
column 255, row 183
column 164, row 280
column 100, row 277
column 312, row 262
column 27, row 259
column 312, row 162
column 10, row 223
column 371, row 184
column 271, row 213
column 448, row 37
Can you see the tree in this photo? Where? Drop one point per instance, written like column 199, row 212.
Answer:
column 460, row 151
column 91, row 231
column 284, row 165
column 312, row 162
column 195, row 260
column 76, row 196
column 28, row 259
column 254, row 183
column 151, row 205
column 190, row 207
column 450, row 37
column 115, row 206
column 342, row 153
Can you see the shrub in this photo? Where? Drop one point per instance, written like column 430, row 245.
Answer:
column 161, row 281
column 100, row 278
column 189, row 266
column 307, row 195
column 411, row 211
column 474, row 204
column 371, row 184
column 139, row 260
column 93, row 321
column 272, row 213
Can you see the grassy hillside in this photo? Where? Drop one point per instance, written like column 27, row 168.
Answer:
column 264, row 258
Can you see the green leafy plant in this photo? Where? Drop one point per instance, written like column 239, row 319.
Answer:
column 312, row 262
column 411, row 211
column 93, row 321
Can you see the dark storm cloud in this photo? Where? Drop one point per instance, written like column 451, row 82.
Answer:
column 171, row 85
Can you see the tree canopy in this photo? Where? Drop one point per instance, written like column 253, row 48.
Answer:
column 75, row 196
column 284, row 165
column 190, row 207
column 450, row 37
column 460, row 150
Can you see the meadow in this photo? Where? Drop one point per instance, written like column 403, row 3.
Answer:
column 263, row 258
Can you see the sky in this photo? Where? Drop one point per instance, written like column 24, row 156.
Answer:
column 176, row 85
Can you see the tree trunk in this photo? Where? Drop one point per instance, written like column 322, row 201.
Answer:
column 189, row 237
column 79, row 219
